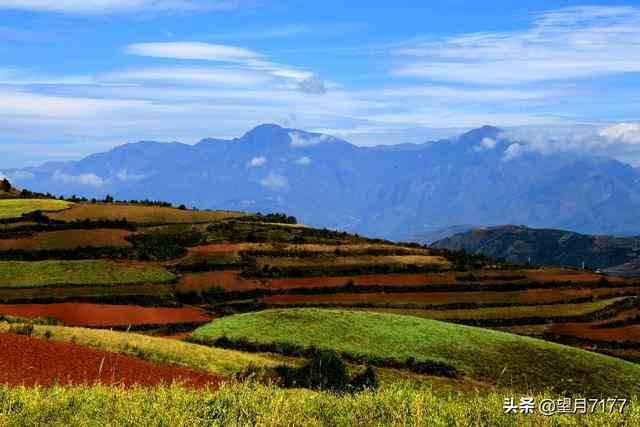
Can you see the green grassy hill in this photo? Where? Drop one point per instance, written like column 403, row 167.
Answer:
column 521, row 363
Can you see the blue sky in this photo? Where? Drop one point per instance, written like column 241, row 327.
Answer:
column 80, row 77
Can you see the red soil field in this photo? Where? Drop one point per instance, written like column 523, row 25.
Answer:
column 30, row 361
column 587, row 331
column 231, row 280
column 561, row 275
column 228, row 280
column 100, row 315
column 514, row 297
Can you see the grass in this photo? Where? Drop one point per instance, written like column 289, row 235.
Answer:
column 153, row 349
column 14, row 208
column 139, row 214
column 24, row 274
column 252, row 404
column 498, row 358
column 514, row 312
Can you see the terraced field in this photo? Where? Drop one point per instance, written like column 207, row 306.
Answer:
column 351, row 261
column 68, row 239
column 14, row 208
column 24, row 274
column 103, row 316
column 166, row 271
column 138, row 213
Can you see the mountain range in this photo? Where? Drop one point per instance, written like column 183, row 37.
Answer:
column 398, row 192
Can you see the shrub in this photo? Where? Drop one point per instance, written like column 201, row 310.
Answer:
column 24, row 329
column 326, row 371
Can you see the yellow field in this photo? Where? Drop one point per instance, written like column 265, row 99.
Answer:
column 14, row 208
column 517, row 312
column 347, row 261
column 139, row 213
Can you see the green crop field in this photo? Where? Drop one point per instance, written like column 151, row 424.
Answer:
column 490, row 356
column 14, row 208
column 22, row 274
column 254, row 404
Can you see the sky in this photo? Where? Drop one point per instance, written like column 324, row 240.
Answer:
column 78, row 77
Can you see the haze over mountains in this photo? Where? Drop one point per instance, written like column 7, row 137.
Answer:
column 397, row 192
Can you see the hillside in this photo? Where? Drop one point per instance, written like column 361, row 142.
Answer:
column 523, row 245
column 493, row 357
column 397, row 193
column 117, row 289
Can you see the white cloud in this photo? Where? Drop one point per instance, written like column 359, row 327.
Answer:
column 513, row 151
column 20, row 175
column 274, row 181
column 257, row 162
column 302, row 140
column 569, row 43
column 192, row 75
column 193, row 50
column 486, row 144
column 303, row 161
column 124, row 176
column 13, row 103
column 98, row 7
column 625, row 133
column 241, row 57
column 620, row 141
column 82, row 179
column 312, row 85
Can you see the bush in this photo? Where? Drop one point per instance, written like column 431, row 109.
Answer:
column 326, row 371
column 25, row 329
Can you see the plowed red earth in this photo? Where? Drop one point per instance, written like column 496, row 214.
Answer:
column 81, row 314
column 587, row 331
column 30, row 361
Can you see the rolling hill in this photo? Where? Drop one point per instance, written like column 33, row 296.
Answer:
column 489, row 356
column 523, row 245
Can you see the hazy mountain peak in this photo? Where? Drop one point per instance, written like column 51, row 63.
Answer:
column 478, row 134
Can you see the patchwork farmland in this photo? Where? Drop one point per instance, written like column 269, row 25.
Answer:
column 129, row 284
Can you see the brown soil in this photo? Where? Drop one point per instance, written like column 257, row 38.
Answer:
column 30, row 361
column 68, row 239
column 83, row 291
column 587, row 331
column 101, row 315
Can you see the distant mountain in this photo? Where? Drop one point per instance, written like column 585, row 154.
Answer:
column 521, row 245
column 396, row 192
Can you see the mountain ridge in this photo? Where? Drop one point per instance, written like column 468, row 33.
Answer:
column 395, row 193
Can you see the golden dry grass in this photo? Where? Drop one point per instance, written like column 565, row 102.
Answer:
column 139, row 213
column 14, row 208
column 346, row 261
column 516, row 312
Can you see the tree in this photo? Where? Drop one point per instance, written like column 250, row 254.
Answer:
column 5, row 185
